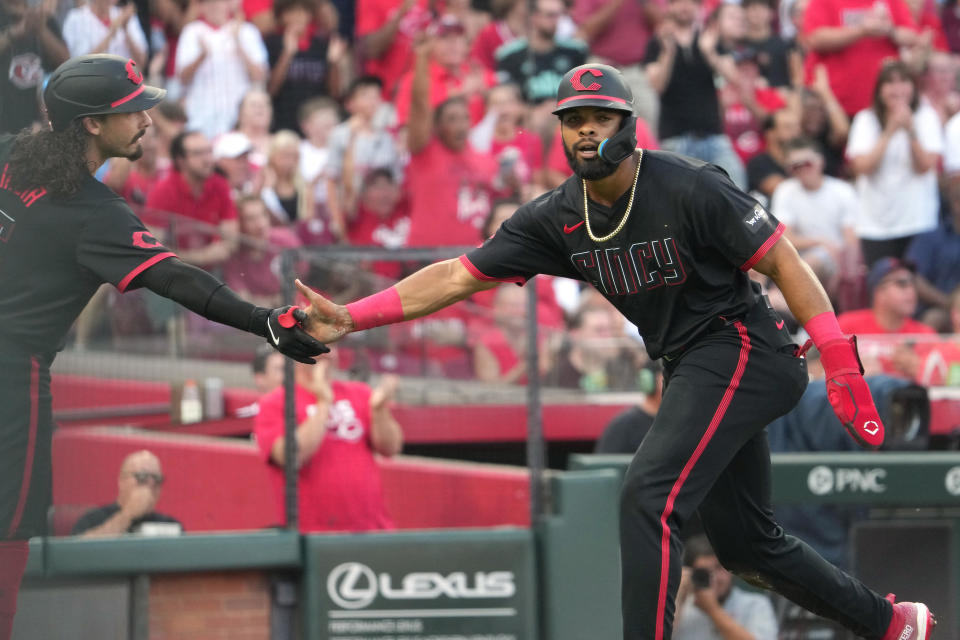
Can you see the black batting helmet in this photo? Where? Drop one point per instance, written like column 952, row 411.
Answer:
column 594, row 85
column 97, row 84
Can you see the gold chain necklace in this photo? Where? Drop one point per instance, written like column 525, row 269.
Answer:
column 626, row 214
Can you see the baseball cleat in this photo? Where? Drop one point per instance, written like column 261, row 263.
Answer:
column 910, row 621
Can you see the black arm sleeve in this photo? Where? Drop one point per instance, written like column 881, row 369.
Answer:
column 203, row 294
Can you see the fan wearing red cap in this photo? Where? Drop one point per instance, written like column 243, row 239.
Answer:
column 62, row 235
column 892, row 284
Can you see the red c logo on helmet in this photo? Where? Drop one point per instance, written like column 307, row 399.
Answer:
column 578, row 83
column 133, row 74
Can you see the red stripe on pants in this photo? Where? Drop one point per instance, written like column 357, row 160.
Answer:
column 687, row 468
column 31, row 445
column 13, row 562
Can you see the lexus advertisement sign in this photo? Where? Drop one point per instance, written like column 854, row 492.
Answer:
column 456, row 585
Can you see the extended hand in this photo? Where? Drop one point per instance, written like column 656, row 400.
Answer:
column 325, row 321
column 286, row 335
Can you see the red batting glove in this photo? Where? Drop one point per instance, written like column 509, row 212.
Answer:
column 848, row 392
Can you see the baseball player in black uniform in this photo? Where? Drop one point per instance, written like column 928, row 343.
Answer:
column 63, row 234
column 668, row 240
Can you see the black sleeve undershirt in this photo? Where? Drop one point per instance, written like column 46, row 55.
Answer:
column 203, row 294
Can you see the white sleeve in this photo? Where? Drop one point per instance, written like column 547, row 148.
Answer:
column 864, row 133
column 761, row 620
column 780, row 204
column 252, row 43
column 929, row 130
column 136, row 34
column 951, row 155
column 74, row 34
column 188, row 47
column 849, row 204
column 336, row 150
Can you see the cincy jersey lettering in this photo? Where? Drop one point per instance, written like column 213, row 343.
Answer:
column 623, row 272
column 27, row 197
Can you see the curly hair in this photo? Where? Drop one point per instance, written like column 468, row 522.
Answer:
column 53, row 160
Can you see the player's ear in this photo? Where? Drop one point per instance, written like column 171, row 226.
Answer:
column 93, row 125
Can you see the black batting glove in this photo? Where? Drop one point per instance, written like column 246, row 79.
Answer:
column 285, row 334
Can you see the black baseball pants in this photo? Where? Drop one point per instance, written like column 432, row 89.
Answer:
column 707, row 451
column 26, row 431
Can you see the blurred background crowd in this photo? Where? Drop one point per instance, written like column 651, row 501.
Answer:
column 425, row 123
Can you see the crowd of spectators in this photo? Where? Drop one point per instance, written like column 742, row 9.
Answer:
column 405, row 123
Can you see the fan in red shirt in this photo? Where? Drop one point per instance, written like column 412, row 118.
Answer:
column 747, row 104
column 509, row 23
column 254, row 267
column 519, row 152
column 340, row 425
column 852, row 38
column 385, row 31
column 882, row 330
column 499, row 352
column 382, row 220
column 450, row 184
column 194, row 191
column 927, row 19
column 134, row 181
column 451, row 72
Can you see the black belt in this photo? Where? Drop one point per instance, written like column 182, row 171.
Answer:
column 716, row 324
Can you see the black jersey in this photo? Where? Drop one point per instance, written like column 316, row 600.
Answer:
column 54, row 254
column 678, row 264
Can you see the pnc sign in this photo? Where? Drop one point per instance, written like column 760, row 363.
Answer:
column 823, row 480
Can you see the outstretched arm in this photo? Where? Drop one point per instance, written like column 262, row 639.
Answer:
column 203, row 294
column 422, row 293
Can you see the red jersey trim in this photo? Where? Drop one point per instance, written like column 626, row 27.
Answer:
column 149, row 262
column 762, row 251
column 479, row 275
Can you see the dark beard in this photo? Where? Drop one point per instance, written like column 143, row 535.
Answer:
column 594, row 169
column 136, row 154
column 546, row 35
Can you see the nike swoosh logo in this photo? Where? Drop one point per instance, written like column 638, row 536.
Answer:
column 779, row 324
column 273, row 336
column 567, row 229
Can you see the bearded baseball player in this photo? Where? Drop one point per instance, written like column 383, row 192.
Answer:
column 62, row 235
column 669, row 240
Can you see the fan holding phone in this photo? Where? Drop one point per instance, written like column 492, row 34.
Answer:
column 710, row 606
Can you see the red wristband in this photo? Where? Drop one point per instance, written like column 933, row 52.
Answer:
column 838, row 355
column 823, row 328
column 376, row 310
